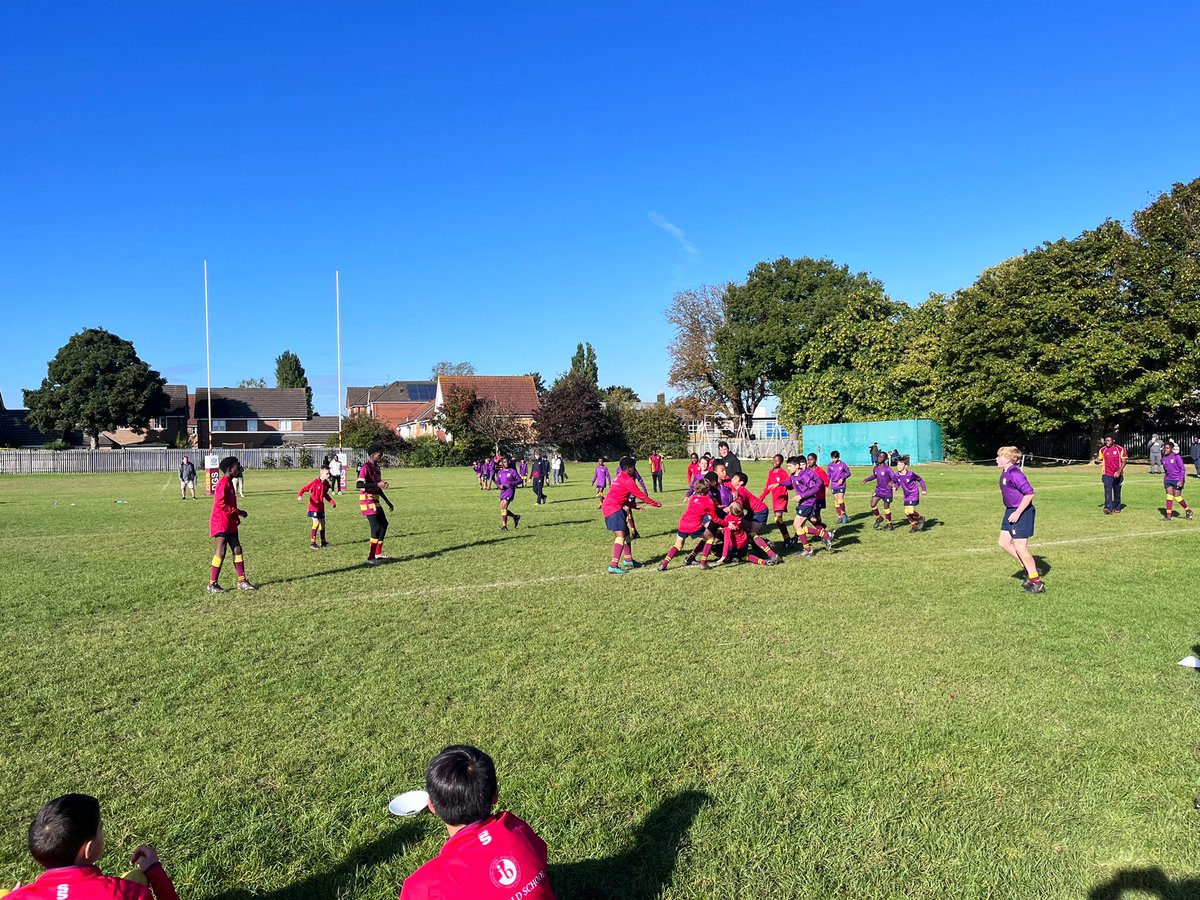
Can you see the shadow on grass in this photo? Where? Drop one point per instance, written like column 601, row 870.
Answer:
column 563, row 522
column 1043, row 567
column 1152, row 881
column 642, row 871
column 336, row 882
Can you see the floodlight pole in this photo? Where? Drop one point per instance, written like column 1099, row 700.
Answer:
column 207, row 355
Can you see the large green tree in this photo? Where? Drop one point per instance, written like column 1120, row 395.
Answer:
column 583, row 364
column 290, row 374
column 362, row 430
column 572, row 418
column 97, row 383
column 1058, row 337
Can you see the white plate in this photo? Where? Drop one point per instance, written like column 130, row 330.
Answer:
column 409, row 803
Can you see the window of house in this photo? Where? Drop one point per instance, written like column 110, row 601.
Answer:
column 252, row 424
column 285, row 424
column 218, row 424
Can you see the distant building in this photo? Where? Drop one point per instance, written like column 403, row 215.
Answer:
column 515, row 395
column 394, row 404
column 251, row 417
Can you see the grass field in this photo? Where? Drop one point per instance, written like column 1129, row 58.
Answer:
column 894, row 720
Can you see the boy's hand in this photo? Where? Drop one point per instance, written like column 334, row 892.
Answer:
column 145, row 857
column 243, row 514
column 391, row 508
column 655, row 504
column 383, row 485
column 332, row 503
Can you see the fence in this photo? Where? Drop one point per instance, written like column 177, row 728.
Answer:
column 1077, row 446
column 83, row 462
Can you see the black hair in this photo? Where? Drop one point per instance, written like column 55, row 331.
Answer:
column 695, row 457
column 711, row 478
column 374, row 448
column 62, row 827
column 833, row 454
column 627, row 464
column 796, row 460
column 741, row 476
column 724, row 444
column 461, row 781
column 812, row 456
column 228, row 463
column 777, row 456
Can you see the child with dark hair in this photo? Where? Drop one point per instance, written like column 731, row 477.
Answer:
column 371, row 487
column 508, row 480
column 755, row 512
column 839, row 474
column 319, row 490
column 487, row 856
column 699, row 521
column 884, row 478
column 824, row 476
column 806, row 484
column 912, row 487
column 777, row 480
column 737, row 546
column 616, row 516
column 67, row 838
column 223, row 527
column 694, row 471
column 1174, row 480
column 601, row 480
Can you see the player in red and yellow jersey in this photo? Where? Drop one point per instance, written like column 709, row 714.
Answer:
column 223, row 527
column 371, row 487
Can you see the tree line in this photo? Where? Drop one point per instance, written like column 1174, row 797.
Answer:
column 1086, row 334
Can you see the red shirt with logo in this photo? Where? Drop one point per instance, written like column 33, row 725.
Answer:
column 89, row 883
column 500, row 858
column 1114, row 457
column 777, row 479
column 317, row 495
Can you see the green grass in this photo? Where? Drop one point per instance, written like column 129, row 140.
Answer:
column 895, row 720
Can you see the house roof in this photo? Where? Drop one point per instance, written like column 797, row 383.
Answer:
column 179, row 400
column 16, row 432
column 321, row 423
column 396, row 392
column 516, row 394
column 252, row 403
column 422, row 413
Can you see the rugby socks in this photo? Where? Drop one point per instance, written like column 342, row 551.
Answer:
column 373, row 549
column 1182, row 504
column 671, row 554
column 840, row 509
column 628, row 551
column 765, row 546
column 783, row 532
column 1033, row 576
column 888, row 515
column 312, row 540
column 878, row 514
column 239, row 566
column 618, row 549
column 803, row 538
column 216, row 569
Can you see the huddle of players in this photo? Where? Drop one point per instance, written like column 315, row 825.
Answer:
column 718, row 506
column 488, row 855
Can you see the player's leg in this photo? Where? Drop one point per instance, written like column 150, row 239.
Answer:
column 239, row 566
column 217, row 561
column 1033, row 579
column 672, row 552
column 312, row 531
column 618, row 550
column 875, row 500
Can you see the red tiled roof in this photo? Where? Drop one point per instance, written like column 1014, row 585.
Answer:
column 515, row 394
column 393, row 414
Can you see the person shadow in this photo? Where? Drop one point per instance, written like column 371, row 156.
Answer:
column 1043, row 567
column 339, row 881
column 1153, row 881
column 642, row 871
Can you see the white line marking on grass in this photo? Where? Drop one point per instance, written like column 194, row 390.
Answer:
column 1085, row 540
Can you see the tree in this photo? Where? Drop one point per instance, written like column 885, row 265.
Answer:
column 583, row 365
column 572, row 419
column 290, row 374
column 252, row 383
column 97, row 383
column 454, row 417
column 451, row 368
column 657, row 427
column 362, row 430
column 489, row 420
column 781, row 308
column 619, row 394
column 705, row 387
column 1056, row 337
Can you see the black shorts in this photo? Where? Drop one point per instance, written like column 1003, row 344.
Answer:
column 231, row 537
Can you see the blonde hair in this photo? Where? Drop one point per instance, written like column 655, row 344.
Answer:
column 1012, row 454
column 735, row 508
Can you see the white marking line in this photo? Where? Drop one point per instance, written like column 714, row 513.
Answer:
column 1037, row 545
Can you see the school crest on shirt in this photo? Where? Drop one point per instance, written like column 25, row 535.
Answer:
column 504, row 871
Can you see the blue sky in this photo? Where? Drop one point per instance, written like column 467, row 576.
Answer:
column 497, row 182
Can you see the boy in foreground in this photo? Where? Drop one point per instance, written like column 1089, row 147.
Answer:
column 1174, row 479
column 1016, row 527
column 67, row 838
column 487, row 856
column 223, row 527
column 884, row 478
column 912, row 486
column 616, row 514
column 371, row 487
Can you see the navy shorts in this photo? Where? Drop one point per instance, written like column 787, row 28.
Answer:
column 1024, row 526
column 806, row 512
column 760, row 517
column 693, row 535
column 886, row 498
column 507, row 495
column 1178, row 485
column 231, row 537
column 313, row 514
column 820, row 504
column 916, row 501
column 618, row 521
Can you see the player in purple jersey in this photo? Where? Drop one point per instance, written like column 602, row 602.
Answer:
column 1016, row 527
column 912, row 486
column 807, row 485
column 884, row 479
column 839, row 474
column 1174, row 478
column 601, row 480
column 508, row 480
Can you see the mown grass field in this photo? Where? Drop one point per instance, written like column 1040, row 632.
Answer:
column 894, row 720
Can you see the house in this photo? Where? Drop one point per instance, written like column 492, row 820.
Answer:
column 164, row 431
column 421, row 422
column 515, row 396
column 15, row 431
column 250, row 417
column 395, row 404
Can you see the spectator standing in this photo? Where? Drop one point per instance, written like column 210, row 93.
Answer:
column 556, row 468
column 187, row 479
column 656, row 470
column 733, row 465
column 1196, row 454
column 1156, row 453
column 1113, row 457
column 335, row 473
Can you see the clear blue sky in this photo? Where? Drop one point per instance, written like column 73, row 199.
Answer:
column 499, row 181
